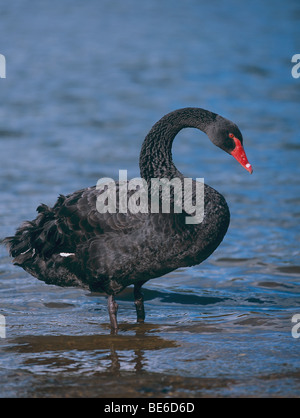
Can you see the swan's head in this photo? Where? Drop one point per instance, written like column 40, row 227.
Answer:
column 227, row 136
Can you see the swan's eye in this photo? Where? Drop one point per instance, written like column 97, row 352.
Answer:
column 231, row 136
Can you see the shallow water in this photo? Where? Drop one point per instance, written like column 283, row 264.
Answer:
column 85, row 83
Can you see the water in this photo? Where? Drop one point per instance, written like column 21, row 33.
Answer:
column 85, row 83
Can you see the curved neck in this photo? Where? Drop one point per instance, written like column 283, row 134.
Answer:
column 156, row 153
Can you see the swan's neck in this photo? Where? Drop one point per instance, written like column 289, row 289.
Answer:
column 156, row 153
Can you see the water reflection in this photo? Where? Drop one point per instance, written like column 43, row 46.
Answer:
column 105, row 353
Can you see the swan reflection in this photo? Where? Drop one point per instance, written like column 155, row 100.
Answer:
column 90, row 353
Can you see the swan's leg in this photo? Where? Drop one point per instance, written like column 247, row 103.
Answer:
column 139, row 302
column 112, row 309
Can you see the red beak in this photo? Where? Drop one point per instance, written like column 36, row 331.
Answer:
column 239, row 154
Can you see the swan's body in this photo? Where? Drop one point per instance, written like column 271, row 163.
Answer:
column 72, row 244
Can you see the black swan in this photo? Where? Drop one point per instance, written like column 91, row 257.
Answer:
column 73, row 244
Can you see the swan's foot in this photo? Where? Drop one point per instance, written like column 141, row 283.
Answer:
column 112, row 310
column 139, row 303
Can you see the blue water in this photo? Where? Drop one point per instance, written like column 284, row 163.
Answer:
column 85, row 81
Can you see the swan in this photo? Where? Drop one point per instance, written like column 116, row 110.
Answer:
column 73, row 244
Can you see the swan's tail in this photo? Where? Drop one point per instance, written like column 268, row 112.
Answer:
column 35, row 237
column 20, row 245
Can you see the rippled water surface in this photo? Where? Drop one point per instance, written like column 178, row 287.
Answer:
column 85, row 83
